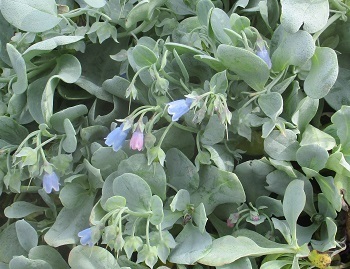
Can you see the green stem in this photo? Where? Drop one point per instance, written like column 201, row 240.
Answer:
column 144, row 111
column 46, row 142
column 25, row 140
column 81, row 11
column 147, row 233
column 29, row 189
column 137, row 30
column 180, row 126
column 170, row 78
column 164, row 133
column 274, row 81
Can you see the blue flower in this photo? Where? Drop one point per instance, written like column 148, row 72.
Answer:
column 117, row 137
column 85, row 237
column 179, row 107
column 51, row 181
column 264, row 55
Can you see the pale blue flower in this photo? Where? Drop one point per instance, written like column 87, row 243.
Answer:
column 117, row 137
column 264, row 55
column 51, row 181
column 179, row 107
column 85, row 237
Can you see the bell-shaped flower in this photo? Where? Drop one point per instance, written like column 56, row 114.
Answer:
column 262, row 52
column 86, row 237
column 51, row 181
column 136, row 142
column 117, row 137
column 179, row 107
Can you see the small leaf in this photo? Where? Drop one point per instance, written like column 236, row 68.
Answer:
column 27, row 236
column 20, row 262
column 68, row 69
column 218, row 21
column 271, row 104
column 180, row 201
column 200, row 217
column 19, row 65
column 293, row 204
column 143, row 56
column 305, row 112
column 312, row 156
column 214, row 131
column 282, row 147
column 70, row 142
column 312, row 135
column 157, row 210
column 191, row 245
column 342, row 123
column 21, row 209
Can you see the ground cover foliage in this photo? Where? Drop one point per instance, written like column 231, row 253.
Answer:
column 174, row 134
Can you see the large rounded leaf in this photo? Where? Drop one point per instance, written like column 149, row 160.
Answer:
column 323, row 73
column 313, row 15
column 30, row 15
column 293, row 49
column 135, row 190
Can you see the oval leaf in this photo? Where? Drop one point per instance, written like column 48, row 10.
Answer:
column 91, row 258
column 323, row 73
column 135, row 190
column 143, row 56
column 249, row 67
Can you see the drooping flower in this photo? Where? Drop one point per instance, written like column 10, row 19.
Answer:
column 179, row 107
column 117, row 137
column 86, row 237
column 262, row 52
column 51, row 181
column 136, row 141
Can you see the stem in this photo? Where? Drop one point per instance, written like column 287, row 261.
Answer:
column 274, row 81
column 134, row 226
column 330, row 21
column 164, row 133
column 137, row 30
column 81, row 11
column 185, row 128
column 147, row 233
column 145, row 111
column 240, row 220
column 170, row 78
column 249, row 101
column 25, row 140
column 46, row 142
column 30, row 189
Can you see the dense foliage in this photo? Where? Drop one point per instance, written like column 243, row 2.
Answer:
column 174, row 134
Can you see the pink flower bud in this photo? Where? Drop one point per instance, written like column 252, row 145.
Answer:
column 136, row 141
